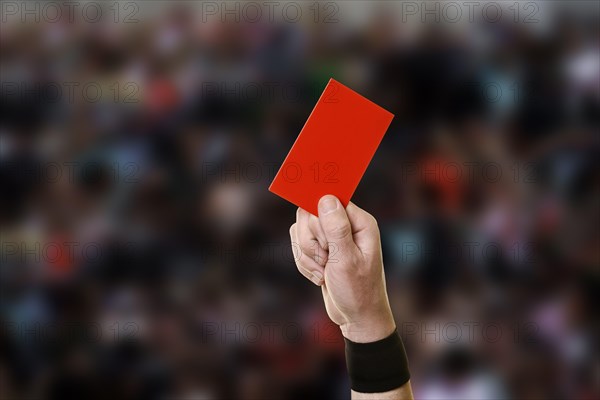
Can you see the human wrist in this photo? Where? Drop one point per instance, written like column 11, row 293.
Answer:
column 367, row 330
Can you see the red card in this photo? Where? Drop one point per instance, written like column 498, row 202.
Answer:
column 333, row 149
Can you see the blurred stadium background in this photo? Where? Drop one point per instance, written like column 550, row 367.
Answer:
column 144, row 258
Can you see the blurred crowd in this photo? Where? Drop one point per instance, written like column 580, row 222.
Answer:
column 144, row 258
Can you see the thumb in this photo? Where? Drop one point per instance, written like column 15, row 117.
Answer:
column 335, row 223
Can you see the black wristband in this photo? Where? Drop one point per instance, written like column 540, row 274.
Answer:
column 378, row 366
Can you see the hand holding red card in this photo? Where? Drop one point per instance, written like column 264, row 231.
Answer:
column 333, row 150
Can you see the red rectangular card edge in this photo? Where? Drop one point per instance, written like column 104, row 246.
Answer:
column 343, row 201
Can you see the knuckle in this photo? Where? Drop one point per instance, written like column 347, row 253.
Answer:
column 304, row 251
column 340, row 230
column 372, row 221
column 303, row 271
column 316, row 255
column 296, row 251
column 305, row 241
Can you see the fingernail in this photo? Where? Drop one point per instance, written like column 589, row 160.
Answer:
column 327, row 204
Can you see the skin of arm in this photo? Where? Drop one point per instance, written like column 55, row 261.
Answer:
column 340, row 251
